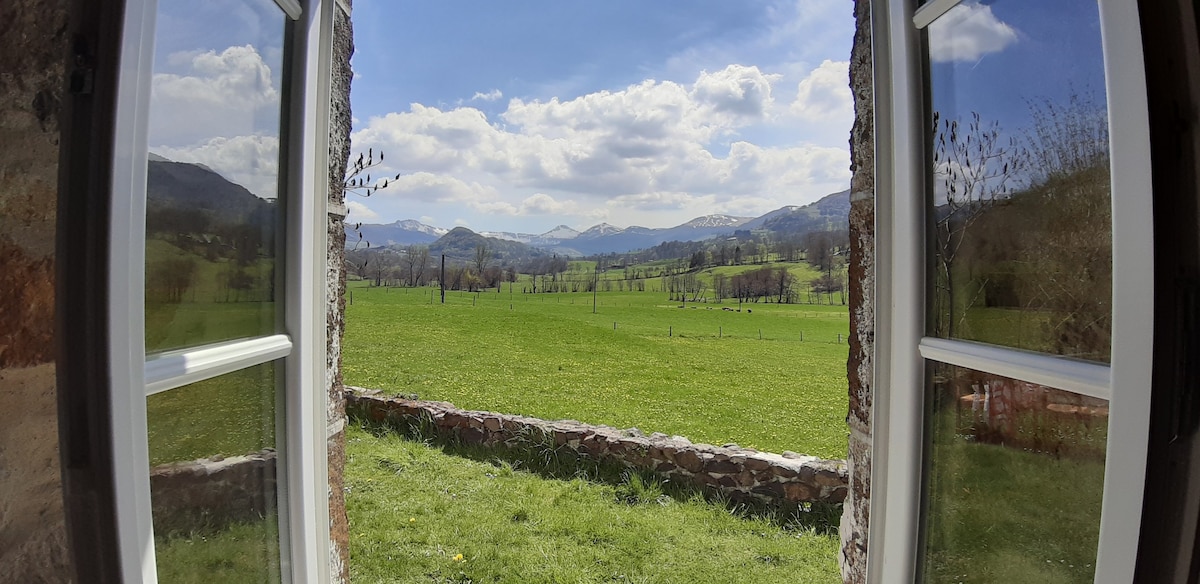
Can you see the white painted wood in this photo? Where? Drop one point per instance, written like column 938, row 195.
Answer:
column 291, row 7
column 305, row 492
column 126, row 292
column 1133, row 291
column 166, row 371
column 898, row 395
column 1091, row 379
column 932, row 10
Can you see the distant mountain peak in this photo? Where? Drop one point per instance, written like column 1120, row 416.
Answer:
column 601, row 230
column 718, row 220
column 561, row 232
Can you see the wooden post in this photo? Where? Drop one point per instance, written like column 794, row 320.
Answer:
column 442, row 279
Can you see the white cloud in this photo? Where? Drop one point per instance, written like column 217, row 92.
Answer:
column 426, row 219
column 737, row 90
column 967, row 32
column 492, row 95
column 654, row 147
column 825, row 94
column 250, row 161
column 360, row 213
column 462, row 222
column 222, row 94
column 434, row 188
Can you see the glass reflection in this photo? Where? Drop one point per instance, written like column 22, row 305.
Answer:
column 212, row 218
column 212, row 479
column 1020, row 204
column 1014, row 480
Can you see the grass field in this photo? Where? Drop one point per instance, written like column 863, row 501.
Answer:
column 772, row 376
column 419, row 514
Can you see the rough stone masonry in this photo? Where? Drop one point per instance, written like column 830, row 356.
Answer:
column 739, row 473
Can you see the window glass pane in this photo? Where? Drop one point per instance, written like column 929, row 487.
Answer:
column 212, row 479
column 1020, row 203
column 1014, row 480
column 212, row 214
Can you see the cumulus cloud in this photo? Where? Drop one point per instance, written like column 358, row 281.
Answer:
column 219, row 94
column 736, row 89
column 427, row 187
column 492, row 95
column 654, row 146
column 967, row 32
column 360, row 213
column 250, row 161
column 825, row 94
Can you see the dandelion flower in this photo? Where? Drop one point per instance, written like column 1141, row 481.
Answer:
column 458, row 558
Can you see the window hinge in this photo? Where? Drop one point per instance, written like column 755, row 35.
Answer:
column 83, row 67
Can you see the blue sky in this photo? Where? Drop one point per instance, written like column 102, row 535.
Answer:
column 519, row 116
column 215, row 90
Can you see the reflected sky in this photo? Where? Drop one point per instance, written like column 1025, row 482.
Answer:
column 215, row 93
column 992, row 56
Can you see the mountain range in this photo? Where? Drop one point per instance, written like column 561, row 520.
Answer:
column 829, row 213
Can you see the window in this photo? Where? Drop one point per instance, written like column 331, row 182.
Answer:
column 217, row 253
column 1017, row 351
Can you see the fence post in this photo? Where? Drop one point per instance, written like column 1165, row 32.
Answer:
column 760, row 334
column 670, row 331
column 720, row 332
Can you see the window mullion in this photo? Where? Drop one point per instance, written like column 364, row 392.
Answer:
column 178, row 368
column 1090, row 379
column 931, row 11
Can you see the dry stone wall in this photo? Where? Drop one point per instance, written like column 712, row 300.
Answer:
column 213, row 492
column 739, row 473
column 860, row 367
column 33, row 48
column 335, row 288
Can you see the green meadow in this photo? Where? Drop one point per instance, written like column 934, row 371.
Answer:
column 770, row 376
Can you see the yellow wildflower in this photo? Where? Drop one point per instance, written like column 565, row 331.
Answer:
column 458, row 558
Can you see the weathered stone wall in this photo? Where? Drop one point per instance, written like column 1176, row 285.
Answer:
column 739, row 473
column 213, row 492
column 860, row 368
column 335, row 278
column 33, row 45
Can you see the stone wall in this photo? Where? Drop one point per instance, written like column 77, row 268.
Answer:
column 33, row 45
column 739, row 473
column 860, row 368
column 213, row 492
column 335, row 284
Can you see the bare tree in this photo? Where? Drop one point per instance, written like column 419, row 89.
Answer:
column 416, row 259
column 975, row 167
column 483, row 255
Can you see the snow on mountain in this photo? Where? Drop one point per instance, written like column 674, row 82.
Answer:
column 509, row 236
column 560, row 232
column 600, row 230
column 417, row 226
column 710, row 221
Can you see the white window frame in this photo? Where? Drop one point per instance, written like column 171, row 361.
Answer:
column 303, row 484
column 902, row 349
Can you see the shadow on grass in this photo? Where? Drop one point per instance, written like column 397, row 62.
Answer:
column 535, row 452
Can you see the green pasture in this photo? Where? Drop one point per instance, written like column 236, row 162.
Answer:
column 772, row 376
column 419, row 513
column 1002, row 514
column 228, row 415
column 206, row 311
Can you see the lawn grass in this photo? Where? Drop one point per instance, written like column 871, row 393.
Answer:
column 419, row 514
column 228, row 415
column 1000, row 514
column 638, row 360
column 242, row 552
